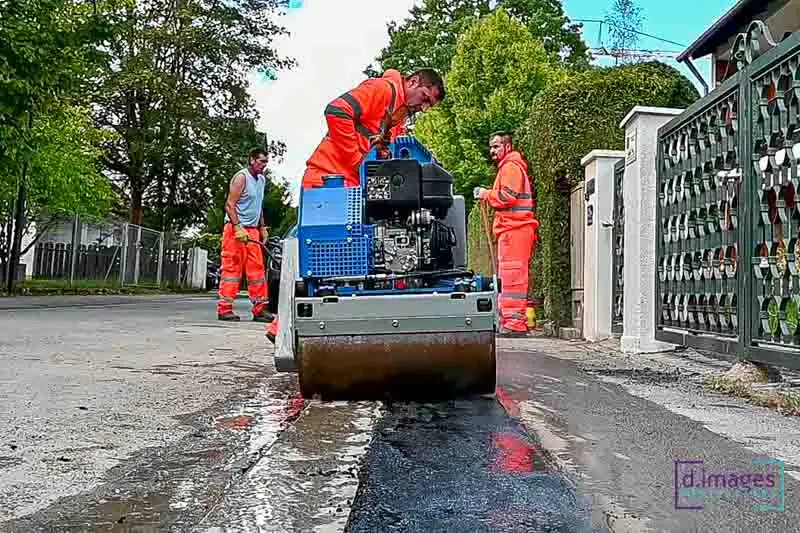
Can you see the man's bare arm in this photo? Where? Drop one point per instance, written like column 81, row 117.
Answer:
column 234, row 192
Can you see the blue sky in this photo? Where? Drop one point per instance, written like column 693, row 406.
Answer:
column 681, row 21
column 332, row 47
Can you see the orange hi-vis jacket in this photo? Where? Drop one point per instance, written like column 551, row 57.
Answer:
column 352, row 119
column 511, row 195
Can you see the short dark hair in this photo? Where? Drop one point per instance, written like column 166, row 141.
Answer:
column 506, row 135
column 430, row 78
column 256, row 153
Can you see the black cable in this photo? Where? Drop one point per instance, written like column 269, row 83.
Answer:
column 630, row 30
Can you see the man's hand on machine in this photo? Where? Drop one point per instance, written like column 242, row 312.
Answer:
column 241, row 234
column 478, row 192
column 264, row 234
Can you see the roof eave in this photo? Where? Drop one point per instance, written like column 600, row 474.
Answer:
column 703, row 46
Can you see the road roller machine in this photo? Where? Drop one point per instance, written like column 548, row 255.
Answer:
column 375, row 300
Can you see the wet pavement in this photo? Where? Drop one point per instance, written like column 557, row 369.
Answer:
column 150, row 416
column 622, row 449
column 462, row 466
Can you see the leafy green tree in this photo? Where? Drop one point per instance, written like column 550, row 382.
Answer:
column 428, row 37
column 497, row 69
column 64, row 178
column 49, row 49
column 177, row 96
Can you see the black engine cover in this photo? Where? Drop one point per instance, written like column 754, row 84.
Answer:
column 393, row 184
column 437, row 187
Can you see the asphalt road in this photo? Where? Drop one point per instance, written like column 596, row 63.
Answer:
column 145, row 414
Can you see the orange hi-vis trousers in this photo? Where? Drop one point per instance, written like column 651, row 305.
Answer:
column 514, row 250
column 238, row 258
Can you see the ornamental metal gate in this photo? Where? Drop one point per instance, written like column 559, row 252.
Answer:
column 618, row 243
column 728, row 278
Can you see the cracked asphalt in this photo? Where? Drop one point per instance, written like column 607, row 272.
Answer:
column 145, row 414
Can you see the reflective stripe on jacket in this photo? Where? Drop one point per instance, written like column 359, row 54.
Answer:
column 511, row 195
column 352, row 119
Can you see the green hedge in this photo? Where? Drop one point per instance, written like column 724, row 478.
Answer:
column 568, row 120
column 478, row 257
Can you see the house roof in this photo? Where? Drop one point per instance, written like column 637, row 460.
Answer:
column 731, row 23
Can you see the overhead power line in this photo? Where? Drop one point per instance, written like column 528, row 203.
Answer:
column 630, row 30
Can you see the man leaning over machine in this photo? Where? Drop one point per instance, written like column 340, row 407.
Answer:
column 514, row 228
column 241, row 251
column 370, row 115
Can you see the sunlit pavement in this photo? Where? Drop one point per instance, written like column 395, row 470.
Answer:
column 152, row 416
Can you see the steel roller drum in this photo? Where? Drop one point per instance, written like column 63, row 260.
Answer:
column 407, row 366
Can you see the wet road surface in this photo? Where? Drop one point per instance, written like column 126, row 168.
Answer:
column 463, row 466
column 151, row 416
column 622, row 448
column 248, row 453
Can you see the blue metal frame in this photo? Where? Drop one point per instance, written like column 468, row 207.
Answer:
column 335, row 242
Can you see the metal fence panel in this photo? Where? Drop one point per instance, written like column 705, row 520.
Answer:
column 111, row 253
column 699, row 182
column 727, row 250
column 774, row 150
column 618, row 243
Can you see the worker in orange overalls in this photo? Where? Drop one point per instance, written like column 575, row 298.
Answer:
column 514, row 228
column 357, row 118
column 372, row 114
column 241, row 251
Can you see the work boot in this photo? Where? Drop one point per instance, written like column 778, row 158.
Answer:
column 228, row 316
column 272, row 332
column 264, row 316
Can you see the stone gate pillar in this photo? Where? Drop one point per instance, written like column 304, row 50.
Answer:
column 640, row 196
column 598, row 246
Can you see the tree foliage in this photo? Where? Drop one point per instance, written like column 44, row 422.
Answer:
column 178, row 98
column 569, row 119
column 429, row 35
column 625, row 19
column 139, row 105
column 63, row 174
column 48, row 52
column 496, row 70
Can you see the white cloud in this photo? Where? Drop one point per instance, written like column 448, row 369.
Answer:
column 332, row 42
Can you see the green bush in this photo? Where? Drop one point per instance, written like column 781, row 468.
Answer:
column 478, row 257
column 568, row 120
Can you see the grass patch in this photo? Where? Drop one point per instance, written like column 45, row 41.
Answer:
column 44, row 287
column 787, row 403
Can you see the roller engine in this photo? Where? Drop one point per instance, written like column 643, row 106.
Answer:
column 375, row 297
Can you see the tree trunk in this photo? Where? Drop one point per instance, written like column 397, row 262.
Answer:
column 136, row 207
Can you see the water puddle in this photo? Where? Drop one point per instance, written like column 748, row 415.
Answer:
column 308, row 480
column 173, row 488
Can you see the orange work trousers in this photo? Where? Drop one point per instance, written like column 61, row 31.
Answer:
column 514, row 249
column 238, row 258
